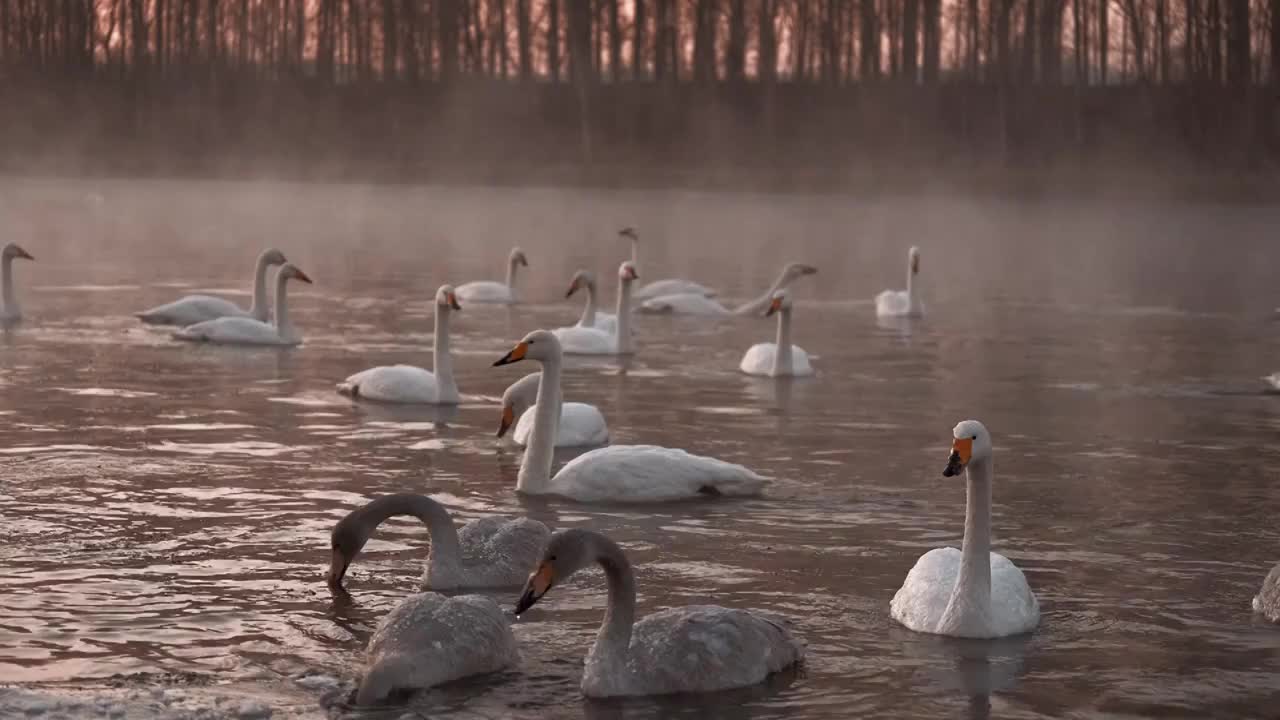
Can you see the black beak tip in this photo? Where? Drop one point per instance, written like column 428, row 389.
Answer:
column 950, row 471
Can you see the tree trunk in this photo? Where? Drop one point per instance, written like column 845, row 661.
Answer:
column 211, row 32
column 1275, row 43
column 736, row 54
column 579, row 30
column 1029, row 24
column 615, row 42
column 768, row 62
column 639, row 19
column 524, row 39
column 1162, row 42
column 1215, row 41
column 932, row 40
column 553, row 40
column 910, row 32
column 1051, row 42
column 1104, row 39
column 704, row 38
column 870, row 41
column 1238, row 35
column 1004, row 59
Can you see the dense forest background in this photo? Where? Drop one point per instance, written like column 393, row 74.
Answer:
column 773, row 93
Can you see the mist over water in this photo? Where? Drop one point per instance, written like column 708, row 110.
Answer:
column 166, row 507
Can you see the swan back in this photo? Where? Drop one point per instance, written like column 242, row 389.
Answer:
column 650, row 473
column 1268, row 600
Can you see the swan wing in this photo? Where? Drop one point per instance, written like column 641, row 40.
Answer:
column 698, row 648
column 683, row 304
column 607, row 322
column 393, row 383
column 758, row 360
column 576, row 340
column 190, row 310
column 892, row 303
column 648, row 473
column 1268, row 600
column 672, row 286
column 581, row 425
column 485, row 291
column 233, row 331
column 429, row 639
column 1014, row 608
column 500, row 552
column 922, row 600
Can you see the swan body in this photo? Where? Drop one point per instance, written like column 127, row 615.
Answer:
column 580, row 424
column 486, row 553
column 673, row 286
column 193, row 309
column 409, row 384
column 690, row 649
column 1273, row 380
column 240, row 330
column 10, row 312
column 488, row 291
column 579, row 340
column 584, row 279
column 699, row 304
column 429, row 639
column 766, row 359
column 903, row 303
column 972, row 592
column 1267, row 601
column 618, row 473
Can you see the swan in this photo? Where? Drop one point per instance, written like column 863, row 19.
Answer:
column 903, row 303
column 489, row 291
column 1273, row 380
column 696, row 304
column 577, row 340
column 237, row 330
column 409, row 384
column 658, row 288
column 485, row 553
column 618, row 473
column 585, row 279
column 972, row 592
column 580, row 424
column 1267, row 601
column 688, row 649
column 199, row 308
column 11, row 312
column 766, row 358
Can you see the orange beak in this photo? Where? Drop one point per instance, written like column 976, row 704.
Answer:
column 453, row 302
column 774, row 307
column 302, row 276
column 961, row 452
column 516, row 355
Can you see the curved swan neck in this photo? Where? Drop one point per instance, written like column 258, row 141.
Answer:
column 535, row 467
column 588, row 318
column 972, row 592
column 284, row 328
column 782, row 355
column 445, row 558
column 614, row 637
column 760, row 303
column 259, row 307
column 913, row 301
column 6, row 285
column 623, row 329
column 441, row 359
column 512, row 262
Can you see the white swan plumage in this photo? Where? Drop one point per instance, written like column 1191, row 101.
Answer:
column 1273, row 380
column 591, row 318
column 11, row 312
column 618, row 473
column 581, row 425
column 579, row 340
column 410, row 384
column 1267, row 601
column 698, row 304
column 658, row 288
column 903, row 303
column 199, row 308
column 780, row 358
column 688, row 649
column 971, row 592
column 490, row 291
column 240, row 330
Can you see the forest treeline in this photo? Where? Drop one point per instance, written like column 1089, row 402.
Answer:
column 655, row 91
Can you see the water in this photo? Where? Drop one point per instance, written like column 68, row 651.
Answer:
column 166, row 507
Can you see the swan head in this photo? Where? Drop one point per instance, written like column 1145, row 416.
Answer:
column 780, row 301
column 447, row 299
column 14, row 250
column 792, row 271
column 518, row 258
column 913, row 257
column 345, row 543
column 293, row 272
column 272, row 256
column 629, row 233
column 971, row 442
column 627, row 272
column 567, row 552
column 539, row 345
column 517, row 398
column 581, row 279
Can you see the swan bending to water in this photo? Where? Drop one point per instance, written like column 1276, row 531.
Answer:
column 578, row 340
column 409, row 384
column 781, row 358
column 1267, row 601
column 580, row 424
column 971, row 592
column 618, row 473
column 586, row 280
column 658, row 288
column 489, row 291
column 199, row 308
column 249, row 331
column 903, row 303
column 487, row 552
column 11, row 312
column 689, row 649
column 695, row 304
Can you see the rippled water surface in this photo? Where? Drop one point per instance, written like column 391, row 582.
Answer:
column 166, row 507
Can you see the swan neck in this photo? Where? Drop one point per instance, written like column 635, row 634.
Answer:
column 782, row 355
column 259, row 307
column 441, row 358
column 6, row 284
column 623, row 329
column 284, row 328
column 511, row 272
column 614, row 638
column 589, row 312
column 445, row 559
column 760, row 303
column 913, row 301
column 635, row 252
column 535, row 467
column 973, row 585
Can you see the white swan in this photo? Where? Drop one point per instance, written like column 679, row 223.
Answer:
column 972, row 592
column 11, row 312
column 781, row 358
column 489, row 291
column 580, row 424
column 250, row 331
column 487, row 552
column 689, row 649
column 199, row 308
column 618, row 473
column 658, row 288
column 409, row 384
column 696, row 304
column 586, row 280
column 1267, row 601
column 577, row 340
column 903, row 303
column 1273, row 380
